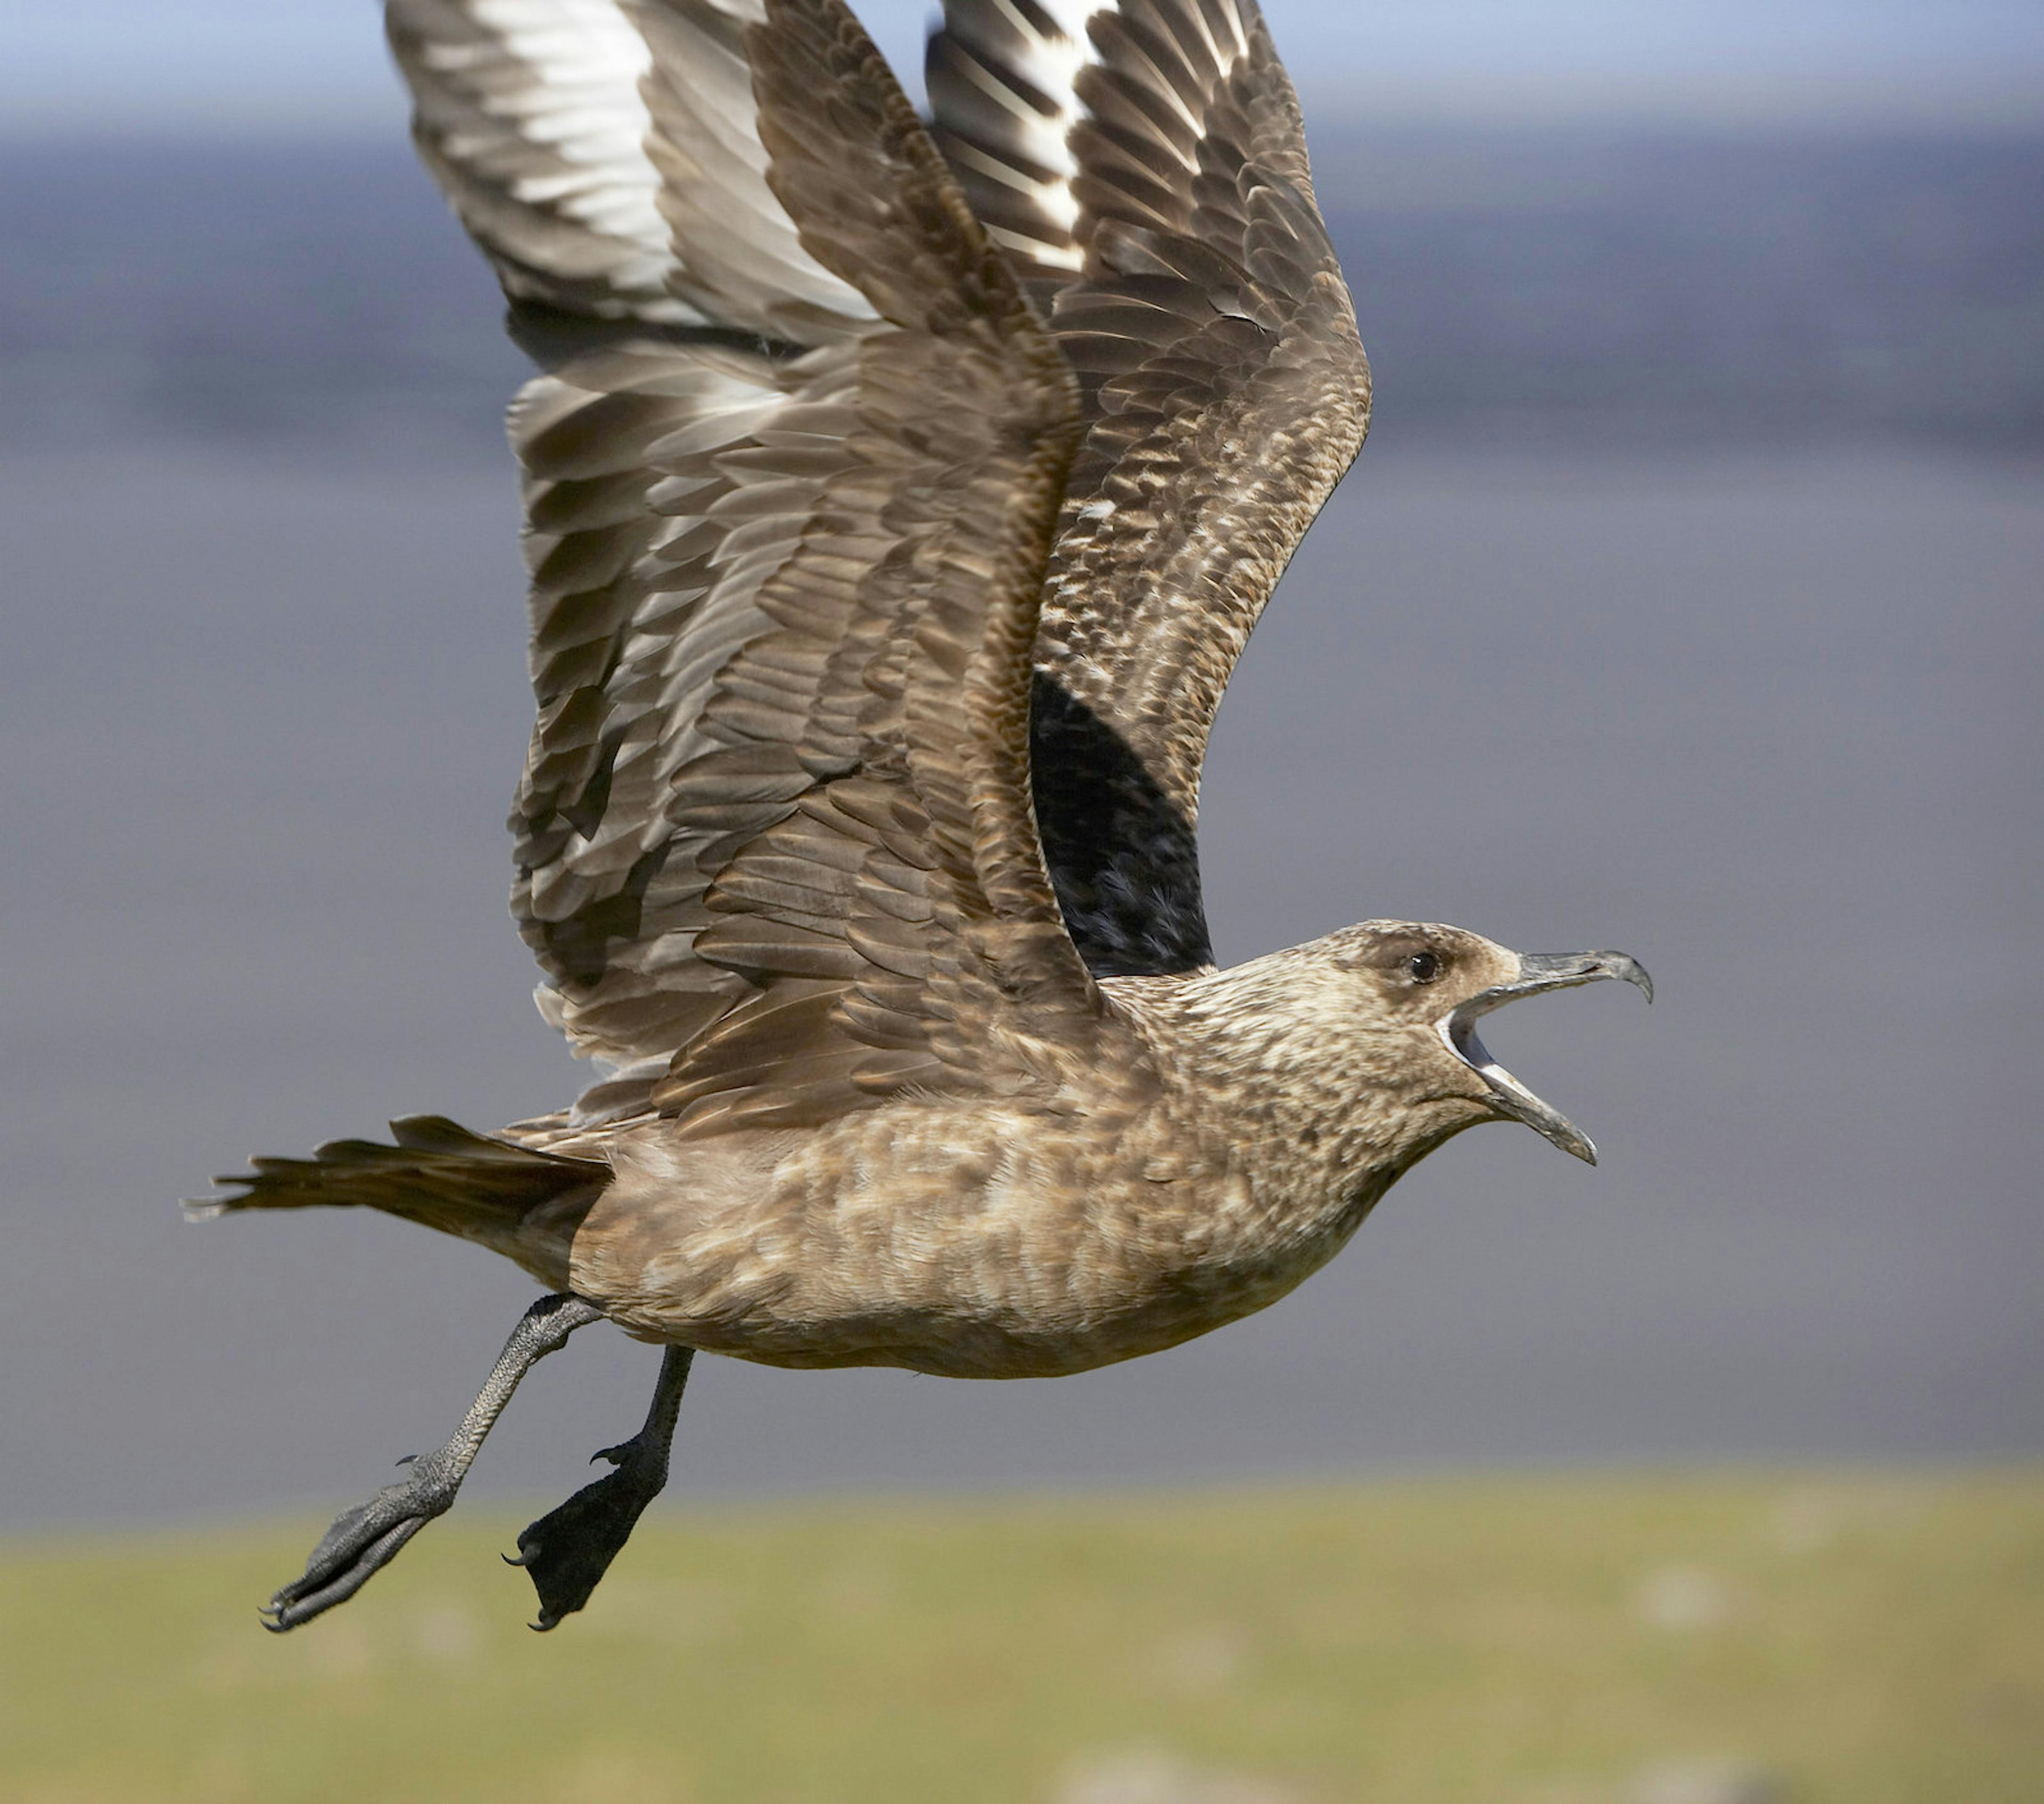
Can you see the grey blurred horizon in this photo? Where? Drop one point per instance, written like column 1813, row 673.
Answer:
column 1685, row 599
column 134, row 67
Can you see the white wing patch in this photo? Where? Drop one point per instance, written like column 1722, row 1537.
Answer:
column 584, row 105
column 529, row 112
column 580, row 160
column 1012, row 73
column 1050, row 62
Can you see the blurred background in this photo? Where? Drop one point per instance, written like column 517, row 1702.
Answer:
column 1685, row 599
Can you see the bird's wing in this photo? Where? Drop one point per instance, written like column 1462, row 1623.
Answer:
column 775, row 845
column 1143, row 164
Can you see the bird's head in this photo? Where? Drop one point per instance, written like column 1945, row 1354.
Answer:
column 1418, row 991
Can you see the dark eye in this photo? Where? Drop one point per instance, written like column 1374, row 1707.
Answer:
column 1424, row 968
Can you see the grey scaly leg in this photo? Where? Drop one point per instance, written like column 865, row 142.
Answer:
column 366, row 1539
column 569, row 1549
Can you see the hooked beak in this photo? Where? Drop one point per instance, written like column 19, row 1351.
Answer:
column 1537, row 971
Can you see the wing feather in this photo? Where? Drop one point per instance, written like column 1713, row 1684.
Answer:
column 1143, row 164
column 776, row 850
column 528, row 114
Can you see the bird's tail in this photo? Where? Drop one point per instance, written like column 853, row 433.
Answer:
column 517, row 1200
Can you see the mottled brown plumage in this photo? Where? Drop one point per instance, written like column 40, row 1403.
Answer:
column 898, row 504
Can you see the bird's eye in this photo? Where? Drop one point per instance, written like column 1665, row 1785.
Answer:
column 1424, row 968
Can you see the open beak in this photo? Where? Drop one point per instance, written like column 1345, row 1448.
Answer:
column 1537, row 971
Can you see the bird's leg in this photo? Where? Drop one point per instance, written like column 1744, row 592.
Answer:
column 569, row 1549
column 366, row 1539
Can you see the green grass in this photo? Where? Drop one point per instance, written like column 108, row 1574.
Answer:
column 1869, row 1640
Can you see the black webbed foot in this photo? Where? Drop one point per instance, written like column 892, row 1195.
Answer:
column 568, row 1550
column 362, row 1542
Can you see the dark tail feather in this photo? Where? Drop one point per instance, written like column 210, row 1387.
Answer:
column 514, row 1199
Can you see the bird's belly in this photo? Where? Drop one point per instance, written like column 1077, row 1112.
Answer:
column 977, row 1253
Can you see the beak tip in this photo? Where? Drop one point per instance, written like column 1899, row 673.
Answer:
column 1629, row 970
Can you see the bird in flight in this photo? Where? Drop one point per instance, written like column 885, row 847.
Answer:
column 899, row 494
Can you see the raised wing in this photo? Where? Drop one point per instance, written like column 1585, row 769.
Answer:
column 774, row 837
column 1143, row 164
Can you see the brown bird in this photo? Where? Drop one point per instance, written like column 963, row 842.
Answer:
column 899, row 497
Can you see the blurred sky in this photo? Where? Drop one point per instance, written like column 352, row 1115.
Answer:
column 98, row 68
